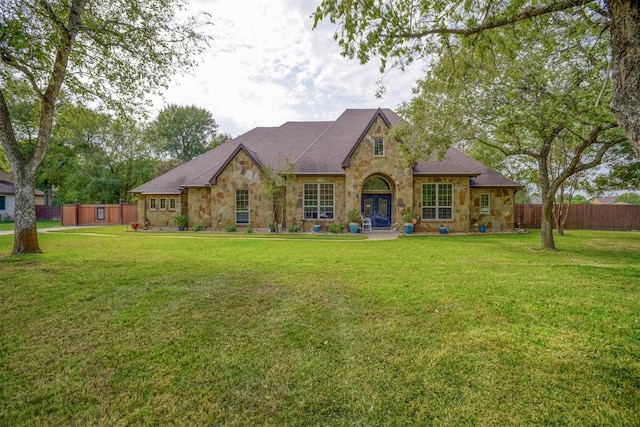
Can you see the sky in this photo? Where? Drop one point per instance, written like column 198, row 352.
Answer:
column 266, row 66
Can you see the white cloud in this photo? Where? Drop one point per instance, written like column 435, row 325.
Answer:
column 267, row 66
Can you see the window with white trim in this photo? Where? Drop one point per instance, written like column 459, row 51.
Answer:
column 163, row 204
column 318, row 201
column 153, row 203
column 242, row 206
column 378, row 147
column 172, row 204
column 3, row 203
column 484, row 203
column 437, row 201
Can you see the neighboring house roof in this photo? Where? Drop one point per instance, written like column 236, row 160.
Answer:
column 314, row 148
column 7, row 186
column 607, row 200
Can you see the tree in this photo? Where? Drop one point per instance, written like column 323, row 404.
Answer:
column 621, row 171
column 399, row 31
column 631, row 198
column 541, row 97
column 118, row 51
column 183, row 133
column 94, row 157
column 273, row 189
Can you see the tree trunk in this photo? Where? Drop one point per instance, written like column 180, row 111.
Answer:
column 546, row 226
column 625, row 60
column 26, row 232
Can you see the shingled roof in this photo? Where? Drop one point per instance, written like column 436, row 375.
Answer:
column 315, row 148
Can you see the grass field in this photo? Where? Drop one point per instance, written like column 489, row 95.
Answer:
column 8, row 225
column 121, row 328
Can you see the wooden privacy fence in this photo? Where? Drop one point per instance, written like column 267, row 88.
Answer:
column 590, row 217
column 48, row 213
column 95, row 214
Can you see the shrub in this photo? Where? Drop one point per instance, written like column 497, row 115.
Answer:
column 336, row 228
column 230, row 229
column 198, row 227
column 293, row 228
column 249, row 229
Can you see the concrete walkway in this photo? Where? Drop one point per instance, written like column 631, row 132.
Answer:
column 47, row 229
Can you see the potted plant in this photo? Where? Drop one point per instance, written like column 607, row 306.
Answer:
column 444, row 229
column 316, row 226
column 272, row 228
column 182, row 221
column 482, row 227
column 354, row 218
column 410, row 218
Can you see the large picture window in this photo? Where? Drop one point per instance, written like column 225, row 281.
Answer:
column 437, row 201
column 242, row 206
column 318, row 201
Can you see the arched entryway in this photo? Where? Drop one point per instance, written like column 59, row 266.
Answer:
column 377, row 198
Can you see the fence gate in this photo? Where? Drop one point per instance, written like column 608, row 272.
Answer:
column 99, row 214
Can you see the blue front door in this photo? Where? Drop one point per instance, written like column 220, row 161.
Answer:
column 378, row 208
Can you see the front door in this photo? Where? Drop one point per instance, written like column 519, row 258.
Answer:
column 378, row 208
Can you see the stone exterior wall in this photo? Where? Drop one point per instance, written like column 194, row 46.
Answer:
column 461, row 202
column 391, row 166
column 501, row 205
column 159, row 217
column 199, row 207
column 240, row 173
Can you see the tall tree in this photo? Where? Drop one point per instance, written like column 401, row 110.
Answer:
column 183, row 133
column 540, row 97
column 94, row 157
column 118, row 51
column 399, row 31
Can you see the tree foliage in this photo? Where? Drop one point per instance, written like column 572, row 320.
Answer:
column 117, row 51
column 184, row 132
column 538, row 98
column 400, row 31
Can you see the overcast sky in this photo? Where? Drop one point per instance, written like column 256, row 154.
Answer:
column 266, row 66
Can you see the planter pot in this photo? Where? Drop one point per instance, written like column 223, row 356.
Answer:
column 408, row 228
column 482, row 228
column 316, row 228
column 272, row 229
column 181, row 228
column 443, row 230
column 353, row 228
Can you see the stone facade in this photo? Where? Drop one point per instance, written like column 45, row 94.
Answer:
column 376, row 155
column 390, row 166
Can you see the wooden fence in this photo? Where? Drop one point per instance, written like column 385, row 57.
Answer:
column 48, row 213
column 590, row 217
column 122, row 213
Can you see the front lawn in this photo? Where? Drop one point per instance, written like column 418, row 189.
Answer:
column 8, row 225
column 130, row 328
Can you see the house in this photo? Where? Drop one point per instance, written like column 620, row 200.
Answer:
column 349, row 163
column 606, row 200
column 8, row 196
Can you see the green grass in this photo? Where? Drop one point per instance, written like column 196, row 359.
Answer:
column 151, row 329
column 8, row 225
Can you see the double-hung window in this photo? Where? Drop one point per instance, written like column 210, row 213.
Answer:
column 3, row 203
column 242, row 206
column 318, row 201
column 378, row 147
column 484, row 203
column 153, row 203
column 437, row 201
column 163, row 204
column 172, row 204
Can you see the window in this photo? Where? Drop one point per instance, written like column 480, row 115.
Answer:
column 484, row 203
column 378, row 147
column 172, row 204
column 318, row 201
column 437, row 201
column 3, row 203
column 242, row 206
column 163, row 204
column 153, row 203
